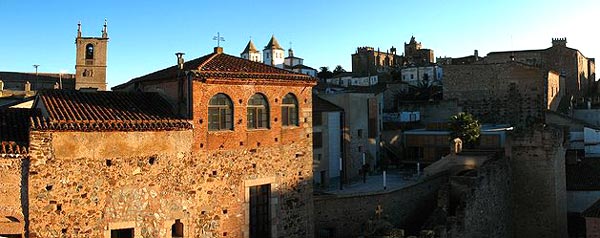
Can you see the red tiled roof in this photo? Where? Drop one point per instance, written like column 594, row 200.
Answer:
column 12, row 149
column 14, row 130
column 105, row 111
column 224, row 66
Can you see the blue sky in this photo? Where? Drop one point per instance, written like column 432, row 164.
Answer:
column 144, row 35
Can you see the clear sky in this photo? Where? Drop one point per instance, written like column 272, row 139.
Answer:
column 144, row 35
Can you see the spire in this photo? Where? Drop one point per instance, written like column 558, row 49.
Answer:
column 79, row 29
column 250, row 48
column 273, row 44
column 412, row 40
column 104, row 30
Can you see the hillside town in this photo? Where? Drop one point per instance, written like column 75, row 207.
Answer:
column 262, row 143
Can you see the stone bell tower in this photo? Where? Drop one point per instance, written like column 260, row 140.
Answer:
column 90, row 64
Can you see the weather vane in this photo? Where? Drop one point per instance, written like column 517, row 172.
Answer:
column 218, row 38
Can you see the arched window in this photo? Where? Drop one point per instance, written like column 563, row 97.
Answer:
column 89, row 51
column 220, row 113
column 289, row 110
column 258, row 112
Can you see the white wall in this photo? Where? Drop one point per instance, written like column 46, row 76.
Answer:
column 591, row 140
column 276, row 55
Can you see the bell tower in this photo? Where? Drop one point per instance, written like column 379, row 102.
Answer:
column 90, row 62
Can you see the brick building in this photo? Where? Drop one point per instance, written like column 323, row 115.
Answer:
column 578, row 70
column 221, row 148
column 510, row 92
column 252, row 127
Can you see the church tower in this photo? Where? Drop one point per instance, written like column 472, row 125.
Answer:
column 90, row 62
column 251, row 53
column 273, row 53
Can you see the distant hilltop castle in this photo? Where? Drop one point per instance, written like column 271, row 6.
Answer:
column 273, row 54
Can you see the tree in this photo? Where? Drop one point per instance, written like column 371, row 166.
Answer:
column 466, row 127
column 324, row 73
column 338, row 69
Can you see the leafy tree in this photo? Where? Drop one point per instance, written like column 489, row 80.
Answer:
column 466, row 127
column 325, row 73
column 338, row 69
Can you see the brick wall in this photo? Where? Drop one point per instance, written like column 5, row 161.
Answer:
column 592, row 227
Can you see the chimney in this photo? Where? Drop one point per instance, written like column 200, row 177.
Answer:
column 219, row 50
column 27, row 86
column 476, row 54
column 180, row 60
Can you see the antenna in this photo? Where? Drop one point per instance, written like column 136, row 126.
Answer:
column 219, row 38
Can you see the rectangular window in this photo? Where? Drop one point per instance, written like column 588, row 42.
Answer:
column 317, row 140
column 260, row 222
column 359, row 133
column 122, row 233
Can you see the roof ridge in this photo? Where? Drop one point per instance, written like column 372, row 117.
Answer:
column 207, row 60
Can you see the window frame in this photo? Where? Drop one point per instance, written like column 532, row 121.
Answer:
column 258, row 116
column 224, row 112
column 289, row 111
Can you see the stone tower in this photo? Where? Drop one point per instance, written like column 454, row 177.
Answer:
column 273, row 53
column 251, row 53
column 90, row 64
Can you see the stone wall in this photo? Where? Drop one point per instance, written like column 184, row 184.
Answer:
column 406, row 208
column 537, row 160
column 578, row 70
column 485, row 202
column 501, row 93
column 11, row 200
column 148, row 180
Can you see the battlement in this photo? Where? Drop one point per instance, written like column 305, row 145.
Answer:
column 364, row 49
column 559, row 41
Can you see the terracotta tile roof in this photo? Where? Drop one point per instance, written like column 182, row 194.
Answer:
column 224, row 66
column 105, row 111
column 583, row 176
column 14, row 131
column 12, row 149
